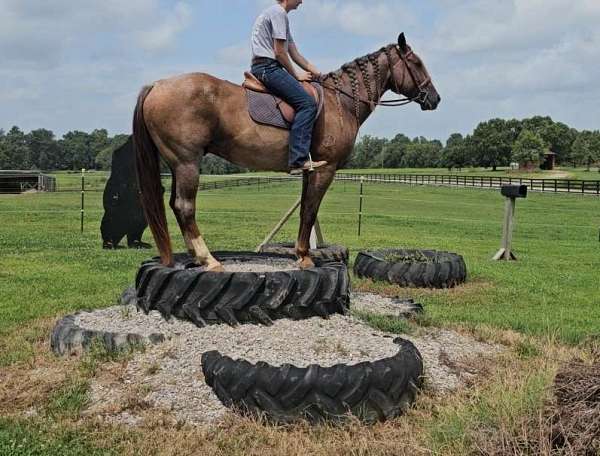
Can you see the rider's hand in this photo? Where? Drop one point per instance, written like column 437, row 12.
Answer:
column 304, row 77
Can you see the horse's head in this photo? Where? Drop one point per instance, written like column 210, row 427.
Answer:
column 411, row 78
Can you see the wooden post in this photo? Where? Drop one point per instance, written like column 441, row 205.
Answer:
column 316, row 235
column 505, row 252
column 278, row 227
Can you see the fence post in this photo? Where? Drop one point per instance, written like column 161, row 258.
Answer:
column 82, row 196
column 360, row 205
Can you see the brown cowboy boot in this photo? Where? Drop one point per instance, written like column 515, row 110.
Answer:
column 307, row 166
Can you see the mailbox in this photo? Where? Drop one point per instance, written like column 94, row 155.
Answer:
column 514, row 191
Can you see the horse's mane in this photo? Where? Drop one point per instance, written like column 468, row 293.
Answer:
column 357, row 61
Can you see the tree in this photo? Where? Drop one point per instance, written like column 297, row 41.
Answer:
column 3, row 151
column 45, row 153
column 559, row 138
column 367, row 152
column 394, row 151
column 422, row 153
column 528, row 148
column 211, row 164
column 456, row 152
column 492, row 142
column 17, row 155
column 586, row 148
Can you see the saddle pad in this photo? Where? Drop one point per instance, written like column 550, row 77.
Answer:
column 263, row 107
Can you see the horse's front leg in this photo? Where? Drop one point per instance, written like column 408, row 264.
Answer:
column 314, row 187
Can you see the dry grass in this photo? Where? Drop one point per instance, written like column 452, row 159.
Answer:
column 474, row 287
column 576, row 414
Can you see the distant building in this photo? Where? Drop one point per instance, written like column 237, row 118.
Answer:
column 549, row 161
column 24, row 181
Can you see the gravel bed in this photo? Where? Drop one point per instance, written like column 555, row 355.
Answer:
column 171, row 373
column 264, row 265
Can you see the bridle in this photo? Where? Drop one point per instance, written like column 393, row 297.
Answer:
column 421, row 97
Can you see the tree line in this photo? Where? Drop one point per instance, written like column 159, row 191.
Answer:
column 493, row 143
column 41, row 150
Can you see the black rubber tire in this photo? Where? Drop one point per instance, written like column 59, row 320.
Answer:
column 67, row 338
column 324, row 252
column 187, row 292
column 372, row 391
column 443, row 270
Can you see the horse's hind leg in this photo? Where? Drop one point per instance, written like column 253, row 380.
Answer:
column 314, row 187
column 183, row 203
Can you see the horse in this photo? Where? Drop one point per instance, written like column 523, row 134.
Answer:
column 184, row 117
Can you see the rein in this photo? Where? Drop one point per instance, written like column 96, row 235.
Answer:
column 420, row 97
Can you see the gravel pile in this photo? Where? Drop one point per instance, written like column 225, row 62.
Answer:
column 171, row 374
column 266, row 265
column 255, row 265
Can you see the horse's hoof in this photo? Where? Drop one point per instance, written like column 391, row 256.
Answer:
column 215, row 267
column 306, row 263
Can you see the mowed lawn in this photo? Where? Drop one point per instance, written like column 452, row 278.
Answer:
column 48, row 268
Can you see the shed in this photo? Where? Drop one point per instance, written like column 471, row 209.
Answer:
column 549, row 161
column 15, row 181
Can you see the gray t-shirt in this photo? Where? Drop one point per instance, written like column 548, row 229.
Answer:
column 272, row 24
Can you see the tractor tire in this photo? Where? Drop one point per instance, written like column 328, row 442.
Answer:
column 438, row 270
column 372, row 391
column 188, row 292
column 324, row 252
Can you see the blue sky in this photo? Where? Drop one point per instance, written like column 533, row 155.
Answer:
column 68, row 65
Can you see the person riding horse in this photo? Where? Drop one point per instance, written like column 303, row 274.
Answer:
column 272, row 47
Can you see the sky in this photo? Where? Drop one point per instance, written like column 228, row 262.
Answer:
column 78, row 65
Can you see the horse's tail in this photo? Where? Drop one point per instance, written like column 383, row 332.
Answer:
column 148, row 175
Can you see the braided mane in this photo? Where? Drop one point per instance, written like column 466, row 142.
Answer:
column 373, row 56
column 361, row 64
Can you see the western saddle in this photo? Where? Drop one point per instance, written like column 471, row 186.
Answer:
column 288, row 113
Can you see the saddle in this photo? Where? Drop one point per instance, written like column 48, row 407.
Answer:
column 265, row 108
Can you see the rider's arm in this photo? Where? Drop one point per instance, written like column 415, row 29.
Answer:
column 282, row 57
column 301, row 61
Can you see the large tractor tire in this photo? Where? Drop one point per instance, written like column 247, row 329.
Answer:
column 372, row 391
column 186, row 291
column 412, row 267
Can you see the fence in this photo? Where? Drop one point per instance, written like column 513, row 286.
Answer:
column 535, row 185
column 587, row 187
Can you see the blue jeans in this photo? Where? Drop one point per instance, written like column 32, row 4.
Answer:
column 285, row 86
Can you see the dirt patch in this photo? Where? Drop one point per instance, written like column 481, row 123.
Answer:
column 576, row 417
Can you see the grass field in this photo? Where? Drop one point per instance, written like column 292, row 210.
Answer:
column 543, row 306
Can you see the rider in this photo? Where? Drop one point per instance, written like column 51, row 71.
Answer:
column 272, row 47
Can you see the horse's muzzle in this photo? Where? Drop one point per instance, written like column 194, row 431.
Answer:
column 430, row 102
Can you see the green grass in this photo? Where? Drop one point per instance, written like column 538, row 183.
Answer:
column 49, row 268
column 28, row 438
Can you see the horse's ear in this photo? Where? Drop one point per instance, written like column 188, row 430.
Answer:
column 402, row 43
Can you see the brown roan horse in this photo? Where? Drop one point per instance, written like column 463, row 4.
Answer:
column 185, row 117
